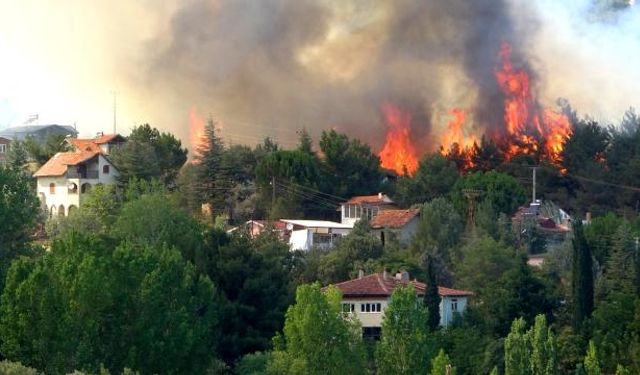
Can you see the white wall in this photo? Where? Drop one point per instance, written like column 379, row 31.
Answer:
column 446, row 312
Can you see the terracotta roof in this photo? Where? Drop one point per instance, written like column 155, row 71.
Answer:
column 277, row 224
column 378, row 198
column 57, row 165
column 85, row 145
column 375, row 285
column 393, row 218
column 106, row 138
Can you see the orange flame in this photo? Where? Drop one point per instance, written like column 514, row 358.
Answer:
column 398, row 153
column 196, row 130
column 524, row 127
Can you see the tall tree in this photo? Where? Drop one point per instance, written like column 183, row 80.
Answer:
column 85, row 304
column 441, row 365
column 431, row 297
column 591, row 363
column 581, row 276
column 17, row 156
column 543, row 348
column 317, row 338
column 434, row 178
column 403, row 348
column 213, row 177
column 305, row 143
column 517, row 350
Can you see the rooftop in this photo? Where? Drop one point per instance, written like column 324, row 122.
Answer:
column 57, row 165
column 377, row 285
column 20, row 132
column 317, row 224
column 394, row 218
column 370, row 199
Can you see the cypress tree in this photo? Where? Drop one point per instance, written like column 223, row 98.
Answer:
column 582, row 276
column 212, row 174
column 431, row 297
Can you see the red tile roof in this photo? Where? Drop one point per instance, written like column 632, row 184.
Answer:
column 84, row 145
column 375, row 285
column 57, row 165
column 106, row 138
column 393, row 218
column 380, row 199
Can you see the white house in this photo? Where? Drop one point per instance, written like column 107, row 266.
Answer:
column 306, row 234
column 368, row 296
column 364, row 206
column 68, row 176
column 403, row 224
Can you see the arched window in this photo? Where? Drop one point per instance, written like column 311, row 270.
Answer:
column 61, row 210
column 53, row 212
column 52, row 188
column 71, row 209
column 105, row 169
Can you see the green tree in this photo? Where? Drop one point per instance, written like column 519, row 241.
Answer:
column 13, row 368
column 42, row 152
column 349, row 167
column 135, row 160
column 591, row 363
column 543, row 345
column 17, row 156
column 434, row 178
column 403, row 347
column 85, row 303
column 167, row 149
column 431, row 297
column 305, row 143
column 441, row 365
column 503, row 191
column 317, row 338
column 19, row 209
column 213, row 177
column 581, row 276
column 517, row 350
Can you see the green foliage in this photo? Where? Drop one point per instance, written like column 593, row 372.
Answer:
column 135, row 160
column 317, row 339
column 439, row 230
column 403, row 347
column 441, row 365
column 19, row 209
column 503, row 191
column 531, row 352
column 252, row 364
column 16, row 368
column 305, row 143
column 349, row 167
column 85, row 303
column 434, row 178
column 17, row 156
column 612, row 329
column 212, row 171
column 41, row 152
column 581, row 276
column 591, row 363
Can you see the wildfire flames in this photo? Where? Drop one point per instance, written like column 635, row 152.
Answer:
column 196, row 129
column 398, row 153
column 528, row 128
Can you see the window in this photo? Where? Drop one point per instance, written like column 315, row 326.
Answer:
column 348, row 307
column 3, row 148
column 454, row 305
column 371, row 333
column 105, row 169
column 358, row 211
column 370, row 307
column 52, row 188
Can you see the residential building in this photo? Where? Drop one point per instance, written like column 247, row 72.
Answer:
column 63, row 180
column 401, row 224
column 256, row 227
column 368, row 296
column 364, row 206
column 4, row 148
column 103, row 143
column 37, row 132
column 541, row 226
column 307, row 234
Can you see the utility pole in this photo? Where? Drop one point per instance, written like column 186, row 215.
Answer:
column 115, row 107
column 273, row 191
column 534, row 185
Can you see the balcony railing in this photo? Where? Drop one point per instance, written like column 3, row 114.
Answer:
column 86, row 174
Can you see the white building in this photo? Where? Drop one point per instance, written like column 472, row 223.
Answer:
column 402, row 224
column 306, row 234
column 368, row 296
column 364, row 206
column 68, row 176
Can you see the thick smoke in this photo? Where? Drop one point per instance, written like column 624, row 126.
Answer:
column 271, row 67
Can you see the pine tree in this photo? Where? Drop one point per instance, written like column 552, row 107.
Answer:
column 17, row 156
column 305, row 144
column 431, row 296
column 591, row 363
column 582, row 276
column 212, row 174
column 441, row 365
column 620, row 267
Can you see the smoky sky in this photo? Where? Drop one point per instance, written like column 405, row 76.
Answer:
column 272, row 67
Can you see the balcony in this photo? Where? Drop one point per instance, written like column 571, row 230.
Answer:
column 82, row 174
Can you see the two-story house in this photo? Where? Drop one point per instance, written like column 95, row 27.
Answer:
column 366, row 206
column 64, row 179
column 307, row 234
column 403, row 224
column 368, row 296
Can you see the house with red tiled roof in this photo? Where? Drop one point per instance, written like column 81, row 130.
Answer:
column 368, row 296
column 401, row 224
column 103, row 143
column 366, row 206
column 63, row 180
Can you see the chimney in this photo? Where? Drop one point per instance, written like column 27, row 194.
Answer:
column 402, row 276
column 379, row 195
column 360, row 274
column 588, row 217
column 385, row 274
